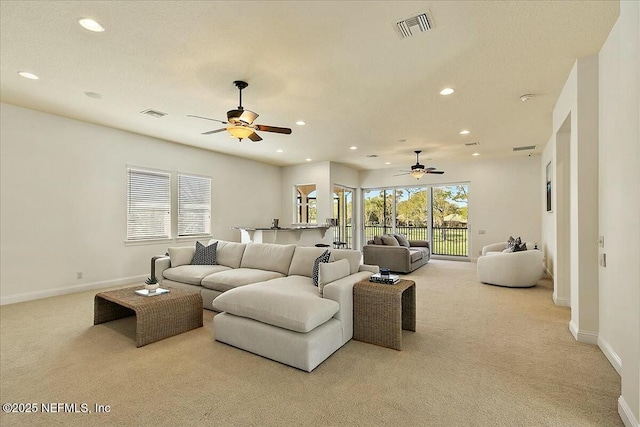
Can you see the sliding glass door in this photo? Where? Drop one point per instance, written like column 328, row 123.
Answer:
column 449, row 227
column 435, row 213
column 378, row 213
column 343, row 212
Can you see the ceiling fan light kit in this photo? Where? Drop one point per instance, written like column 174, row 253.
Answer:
column 418, row 171
column 240, row 121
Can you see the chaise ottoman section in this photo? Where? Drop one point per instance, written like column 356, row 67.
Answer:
column 304, row 351
column 283, row 319
column 284, row 303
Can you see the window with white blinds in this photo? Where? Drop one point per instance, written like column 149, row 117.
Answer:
column 148, row 204
column 194, row 205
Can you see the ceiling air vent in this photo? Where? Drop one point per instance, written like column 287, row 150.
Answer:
column 471, row 144
column 406, row 27
column 372, row 155
column 154, row 113
column 525, row 148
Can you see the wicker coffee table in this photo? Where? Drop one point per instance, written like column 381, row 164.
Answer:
column 157, row 317
column 381, row 312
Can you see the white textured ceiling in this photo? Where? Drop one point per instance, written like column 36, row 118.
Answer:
column 339, row 66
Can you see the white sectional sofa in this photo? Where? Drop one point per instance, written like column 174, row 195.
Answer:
column 267, row 300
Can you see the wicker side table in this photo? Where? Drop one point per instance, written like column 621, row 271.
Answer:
column 157, row 317
column 381, row 312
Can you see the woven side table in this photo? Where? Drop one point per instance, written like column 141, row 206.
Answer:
column 157, row 317
column 381, row 312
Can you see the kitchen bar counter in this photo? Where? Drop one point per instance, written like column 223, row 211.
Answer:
column 303, row 235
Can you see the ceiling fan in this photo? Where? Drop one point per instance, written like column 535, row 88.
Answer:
column 418, row 171
column 240, row 121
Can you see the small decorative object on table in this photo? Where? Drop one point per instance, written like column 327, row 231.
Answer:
column 151, row 284
column 384, row 271
column 153, row 293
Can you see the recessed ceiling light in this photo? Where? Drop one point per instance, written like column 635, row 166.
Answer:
column 353, row 147
column 27, row 75
column 307, row 160
column 91, row 25
column 279, row 151
column 475, row 154
column 446, row 91
column 387, row 163
column 300, row 123
column 464, row 132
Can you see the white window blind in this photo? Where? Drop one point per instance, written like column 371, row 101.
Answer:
column 148, row 204
column 194, row 205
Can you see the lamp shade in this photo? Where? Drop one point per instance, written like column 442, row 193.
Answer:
column 417, row 173
column 240, row 132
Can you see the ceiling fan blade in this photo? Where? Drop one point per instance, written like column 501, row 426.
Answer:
column 436, row 172
column 207, row 118
column 406, row 173
column 248, row 117
column 431, row 168
column 275, row 129
column 213, row 131
column 255, row 137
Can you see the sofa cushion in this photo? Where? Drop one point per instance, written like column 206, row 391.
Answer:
column 287, row 303
column 416, row 255
column 192, row 274
column 302, row 261
column 350, row 255
column 205, row 255
column 402, row 240
column 268, row 256
column 332, row 271
column 232, row 278
column 389, row 240
column 181, row 255
column 229, row 253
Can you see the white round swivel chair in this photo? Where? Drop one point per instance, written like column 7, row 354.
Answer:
column 514, row 270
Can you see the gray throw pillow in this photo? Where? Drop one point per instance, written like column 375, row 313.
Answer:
column 205, row 255
column 389, row 240
column 377, row 240
column 402, row 240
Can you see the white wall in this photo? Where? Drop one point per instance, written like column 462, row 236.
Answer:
column 619, row 221
column 64, row 201
column 505, row 197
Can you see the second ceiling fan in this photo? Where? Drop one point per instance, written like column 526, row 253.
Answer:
column 418, row 171
column 240, row 121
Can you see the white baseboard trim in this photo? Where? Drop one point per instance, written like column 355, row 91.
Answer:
column 562, row 302
column 28, row 296
column 611, row 355
column 587, row 337
column 626, row 414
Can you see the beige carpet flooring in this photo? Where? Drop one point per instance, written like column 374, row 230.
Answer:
column 481, row 356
